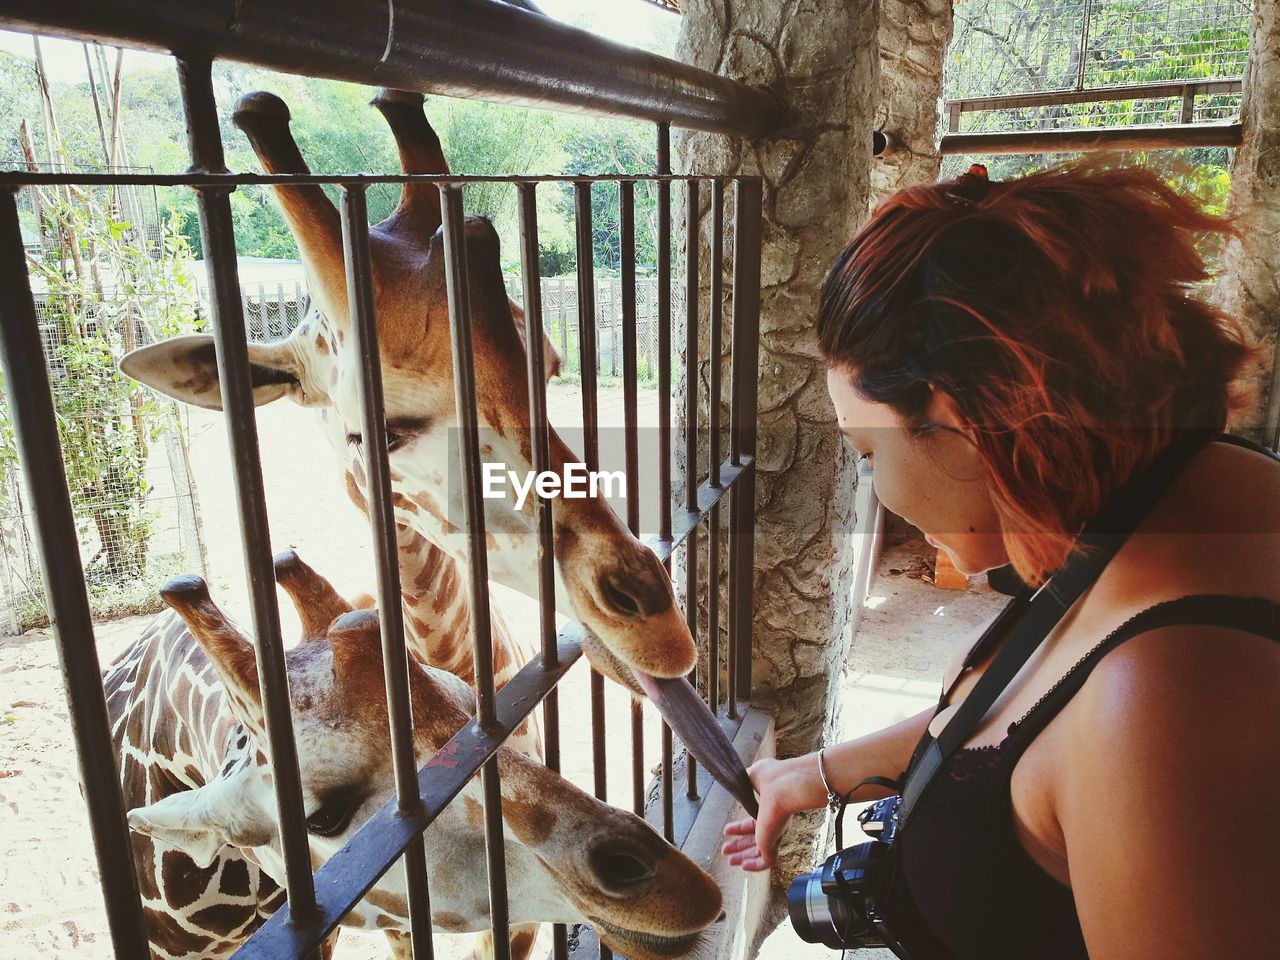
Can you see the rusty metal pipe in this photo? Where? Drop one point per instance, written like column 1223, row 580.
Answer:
column 482, row 49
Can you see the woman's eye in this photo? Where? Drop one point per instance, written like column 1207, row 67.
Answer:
column 332, row 818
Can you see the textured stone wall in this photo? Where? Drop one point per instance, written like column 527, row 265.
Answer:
column 820, row 57
column 1251, row 285
column 914, row 38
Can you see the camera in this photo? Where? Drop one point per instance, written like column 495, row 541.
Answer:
column 836, row 905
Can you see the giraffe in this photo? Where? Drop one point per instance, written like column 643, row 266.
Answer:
column 188, row 725
column 613, row 584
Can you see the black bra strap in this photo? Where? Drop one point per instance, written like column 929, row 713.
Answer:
column 1252, row 614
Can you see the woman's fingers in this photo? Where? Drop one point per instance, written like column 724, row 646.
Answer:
column 745, row 827
column 737, row 845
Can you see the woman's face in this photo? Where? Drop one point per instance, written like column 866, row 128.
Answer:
column 935, row 482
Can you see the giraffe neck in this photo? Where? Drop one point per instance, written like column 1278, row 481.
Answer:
column 168, row 712
column 435, row 593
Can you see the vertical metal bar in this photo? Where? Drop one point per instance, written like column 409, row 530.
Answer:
column 587, row 361
column 531, row 273
column 748, row 204
column 364, row 330
column 691, row 433
column 31, row 410
column 714, row 351
column 627, row 219
column 456, row 283
column 235, row 380
column 664, row 423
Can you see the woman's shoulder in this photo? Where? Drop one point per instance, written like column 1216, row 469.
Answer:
column 1216, row 530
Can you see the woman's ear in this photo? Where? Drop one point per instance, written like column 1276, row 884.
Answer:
column 944, row 412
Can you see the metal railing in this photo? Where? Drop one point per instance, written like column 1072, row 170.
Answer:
column 317, row 903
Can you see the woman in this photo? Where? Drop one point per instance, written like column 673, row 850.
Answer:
column 1008, row 356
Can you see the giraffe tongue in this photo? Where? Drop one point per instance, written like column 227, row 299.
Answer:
column 697, row 727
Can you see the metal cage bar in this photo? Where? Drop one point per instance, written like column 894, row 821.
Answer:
column 457, row 287
column 235, row 381
column 715, row 350
column 364, row 330
column 539, row 444
column 664, row 423
column 691, row 438
column 30, row 400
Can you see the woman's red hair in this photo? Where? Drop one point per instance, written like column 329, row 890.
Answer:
column 1060, row 312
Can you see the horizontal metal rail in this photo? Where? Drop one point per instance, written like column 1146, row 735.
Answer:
column 1164, row 90
column 1093, row 139
column 25, row 178
column 479, row 49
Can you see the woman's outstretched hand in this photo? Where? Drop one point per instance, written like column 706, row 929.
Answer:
column 786, row 787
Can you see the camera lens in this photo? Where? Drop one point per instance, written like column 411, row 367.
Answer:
column 818, row 918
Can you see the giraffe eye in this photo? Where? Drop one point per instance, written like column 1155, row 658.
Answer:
column 395, row 440
column 334, row 815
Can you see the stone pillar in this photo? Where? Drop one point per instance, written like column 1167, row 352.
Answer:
column 1251, row 283
column 820, row 57
column 914, row 38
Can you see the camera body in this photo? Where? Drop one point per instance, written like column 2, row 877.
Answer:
column 836, row 905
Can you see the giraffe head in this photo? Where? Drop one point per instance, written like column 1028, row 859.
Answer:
column 570, row 857
column 614, row 585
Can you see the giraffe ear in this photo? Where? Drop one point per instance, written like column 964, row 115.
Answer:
column 186, row 369
column 202, row 821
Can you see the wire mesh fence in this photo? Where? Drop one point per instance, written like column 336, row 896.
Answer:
column 1004, row 49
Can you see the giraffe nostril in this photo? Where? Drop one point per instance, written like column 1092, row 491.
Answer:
column 619, row 868
column 619, row 598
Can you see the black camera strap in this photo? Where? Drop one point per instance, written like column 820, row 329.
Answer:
column 1029, row 617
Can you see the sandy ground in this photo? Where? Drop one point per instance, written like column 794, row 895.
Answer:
column 50, row 904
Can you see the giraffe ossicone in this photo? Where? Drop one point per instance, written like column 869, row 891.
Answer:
column 610, row 581
column 187, row 721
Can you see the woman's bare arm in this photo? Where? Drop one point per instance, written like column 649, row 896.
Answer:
column 787, row 787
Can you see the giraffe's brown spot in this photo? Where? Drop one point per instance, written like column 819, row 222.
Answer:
column 220, row 916
column 388, row 902
column 322, row 345
column 475, row 813
column 522, row 943
column 274, row 901
column 353, row 491
column 165, row 932
column 532, row 822
column 449, row 921
column 235, row 878
column 386, row 922
column 182, row 881
column 401, row 502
